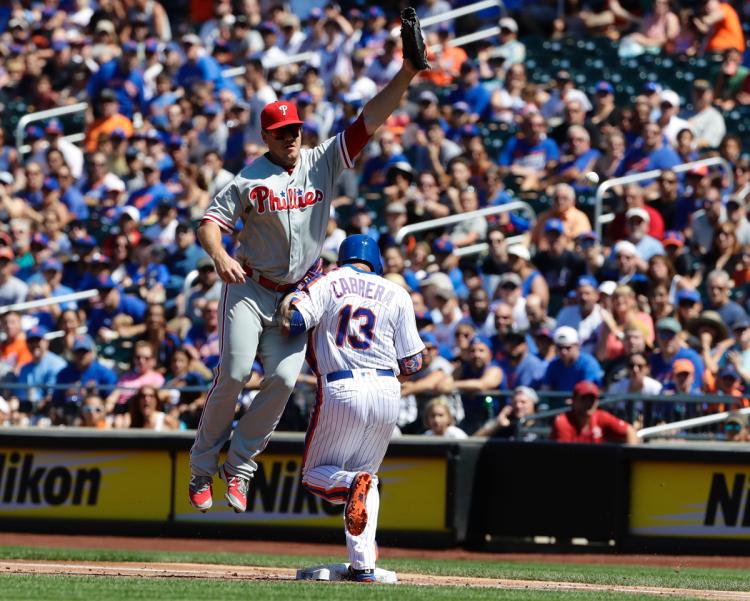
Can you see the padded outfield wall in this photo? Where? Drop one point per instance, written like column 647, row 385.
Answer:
column 675, row 498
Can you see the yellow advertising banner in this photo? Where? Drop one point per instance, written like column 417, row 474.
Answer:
column 412, row 496
column 82, row 484
column 700, row 500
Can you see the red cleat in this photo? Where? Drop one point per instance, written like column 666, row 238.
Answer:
column 200, row 492
column 237, row 488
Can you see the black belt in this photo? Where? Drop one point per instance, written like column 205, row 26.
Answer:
column 348, row 373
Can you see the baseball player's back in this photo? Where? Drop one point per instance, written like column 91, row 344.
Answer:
column 362, row 321
column 365, row 334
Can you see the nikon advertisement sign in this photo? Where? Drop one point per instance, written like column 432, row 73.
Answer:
column 412, row 496
column 670, row 499
column 105, row 485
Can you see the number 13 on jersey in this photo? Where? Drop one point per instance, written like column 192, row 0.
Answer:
column 355, row 327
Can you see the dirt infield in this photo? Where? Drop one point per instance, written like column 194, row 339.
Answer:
column 285, row 548
column 180, row 570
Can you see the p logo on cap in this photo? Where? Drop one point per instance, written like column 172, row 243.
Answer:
column 279, row 114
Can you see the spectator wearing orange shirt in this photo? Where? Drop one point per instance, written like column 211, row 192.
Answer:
column 720, row 24
column 110, row 120
column 446, row 62
column 563, row 208
column 586, row 423
column 14, row 352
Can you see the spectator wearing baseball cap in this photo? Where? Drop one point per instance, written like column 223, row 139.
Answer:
column 681, row 379
column 669, row 340
column 40, row 372
column 585, row 422
column 669, row 103
column 114, row 303
column 638, row 221
column 511, row 50
column 83, row 370
column 559, row 265
column 585, row 316
column 571, row 365
column 107, row 118
column 532, row 281
column 735, row 428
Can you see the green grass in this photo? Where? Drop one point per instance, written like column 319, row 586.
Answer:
column 697, row 578
column 87, row 588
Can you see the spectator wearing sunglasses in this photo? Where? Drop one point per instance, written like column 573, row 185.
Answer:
column 735, row 428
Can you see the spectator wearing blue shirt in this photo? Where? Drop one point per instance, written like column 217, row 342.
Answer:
column 530, row 156
column 671, row 348
column 50, row 273
column 375, row 169
column 637, row 222
column 84, row 371
column 719, row 287
column 146, row 199
column 122, row 76
column 114, row 303
column 571, row 364
column 200, row 67
column 471, row 91
column 40, row 372
column 577, row 162
column 650, row 152
column 165, row 96
column 520, row 366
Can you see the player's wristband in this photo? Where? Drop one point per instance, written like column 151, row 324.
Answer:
column 297, row 323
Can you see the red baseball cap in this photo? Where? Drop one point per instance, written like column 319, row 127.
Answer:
column 585, row 387
column 279, row 114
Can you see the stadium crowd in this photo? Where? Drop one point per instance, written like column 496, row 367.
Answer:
column 655, row 304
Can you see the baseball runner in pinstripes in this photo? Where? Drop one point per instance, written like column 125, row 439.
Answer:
column 283, row 200
column 365, row 334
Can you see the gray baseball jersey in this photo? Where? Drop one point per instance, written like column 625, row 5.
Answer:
column 284, row 213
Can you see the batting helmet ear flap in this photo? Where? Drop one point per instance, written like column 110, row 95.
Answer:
column 361, row 247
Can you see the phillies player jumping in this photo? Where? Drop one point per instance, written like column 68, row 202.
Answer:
column 283, row 199
column 366, row 335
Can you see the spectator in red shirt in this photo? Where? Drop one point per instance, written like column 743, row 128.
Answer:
column 585, row 423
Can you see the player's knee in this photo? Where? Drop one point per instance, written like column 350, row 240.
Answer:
column 285, row 377
column 335, row 498
column 240, row 371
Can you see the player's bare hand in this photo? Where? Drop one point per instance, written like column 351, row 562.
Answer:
column 284, row 312
column 229, row 270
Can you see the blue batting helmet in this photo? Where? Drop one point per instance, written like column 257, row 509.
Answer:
column 361, row 248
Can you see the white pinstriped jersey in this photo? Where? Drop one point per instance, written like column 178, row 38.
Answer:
column 363, row 321
column 285, row 214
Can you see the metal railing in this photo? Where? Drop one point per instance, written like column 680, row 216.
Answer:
column 303, row 57
column 453, row 14
column 79, row 107
column 649, row 408
column 686, row 424
column 46, row 302
column 605, row 186
column 516, row 205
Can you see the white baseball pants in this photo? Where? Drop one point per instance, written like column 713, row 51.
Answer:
column 349, row 432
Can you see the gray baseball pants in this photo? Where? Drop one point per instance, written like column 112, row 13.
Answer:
column 248, row 325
